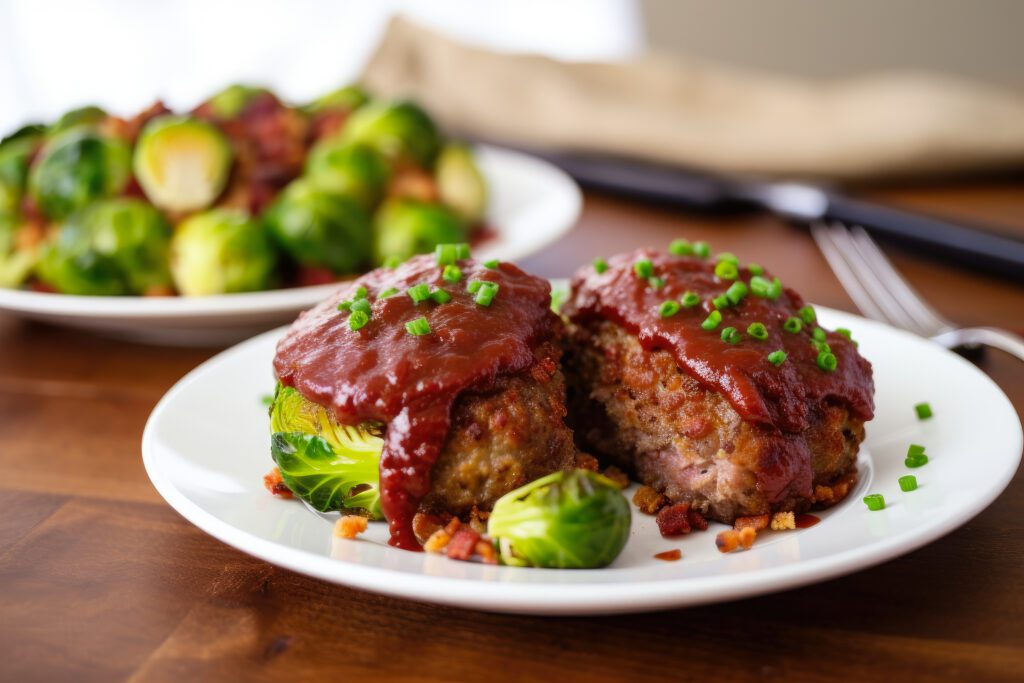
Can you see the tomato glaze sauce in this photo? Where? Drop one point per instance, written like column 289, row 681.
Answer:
column 382, row 373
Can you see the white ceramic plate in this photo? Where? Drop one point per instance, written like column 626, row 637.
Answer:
column 531, row 204
column 206, row 449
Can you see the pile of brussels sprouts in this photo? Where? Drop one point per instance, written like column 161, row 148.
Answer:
column 163, row 204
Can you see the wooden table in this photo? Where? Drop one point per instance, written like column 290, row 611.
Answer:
column 101, row 580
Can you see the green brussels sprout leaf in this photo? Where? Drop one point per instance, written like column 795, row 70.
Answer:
column 405, row 227
column 401, row 131
column 182, row 163
column 232, row 100
column 348, row 98
column 221, row 251
column 566, row 520
column 76, row 167
column 460, row 182
column 83, row 116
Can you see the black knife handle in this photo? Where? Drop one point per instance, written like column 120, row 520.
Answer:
column 982, row 249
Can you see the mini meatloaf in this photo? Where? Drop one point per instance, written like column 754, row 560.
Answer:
column 729, row 397
column 459, row 361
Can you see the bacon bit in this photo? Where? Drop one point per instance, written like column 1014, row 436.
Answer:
column 669, row 555
column 747, row 536
column 783, row 521
column 273, row 482
column 585, row 461
column 648, row 500
column 486, row 551
column 755, row 522
column 413, row 183
column 463, row 544
column 349, row 526
column 697, row 520
column 620, row 478
column 674, row 520
column 727, row 540
column 437, row 541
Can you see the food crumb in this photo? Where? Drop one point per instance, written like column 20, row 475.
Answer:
column 727, row 540
column 273, row 482
column 648, row 500
column 747, row 536
column 669, row 555
column 585, row 461
column 349, row 526
column 674, row 520
column 620, row 478
column 783, row 521
column 485, row 549
column 755, row 522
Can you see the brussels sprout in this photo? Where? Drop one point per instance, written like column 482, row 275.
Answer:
column 349, row 98
column 87, row 116
column 460, row 182
column 221, row 251
column 405, row 227
column 401, row 131
column 232, row 100
column 320, row 229
column 30, row 130
column 566, row 520
column 76, row 167
column 15, row 264
column 15, row 153
column 329, row 465
column 112, row 247
column 356, row 170
column 182, row 163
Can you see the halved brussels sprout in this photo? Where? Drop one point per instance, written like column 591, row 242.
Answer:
column 329, row 465
column 15, row 264
column 356, row 170
column 76, row 167
column 182, row 163
column 232, row 100
column 405, row 227
column 460, row 182
column 219, row 252
column 349, row 98
column 15, row 152
column 401, row 131
column 89, row 116
column 112, row 247
column 566, row 520
column 320, row 229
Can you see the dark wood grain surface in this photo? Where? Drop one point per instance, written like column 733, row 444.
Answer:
column 101, row 580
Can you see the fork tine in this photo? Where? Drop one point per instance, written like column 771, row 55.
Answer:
column 844, row 273
column 925, row 316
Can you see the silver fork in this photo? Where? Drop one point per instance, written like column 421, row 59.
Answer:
column 882, row 294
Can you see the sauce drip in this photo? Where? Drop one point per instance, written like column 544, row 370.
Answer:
column 382, row 373
column 805, row 521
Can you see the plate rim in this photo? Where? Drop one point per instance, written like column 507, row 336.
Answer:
column 565, row 599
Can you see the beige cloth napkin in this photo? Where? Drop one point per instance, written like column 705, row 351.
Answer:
column 707, row 116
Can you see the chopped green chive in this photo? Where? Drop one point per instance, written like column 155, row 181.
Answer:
column 827, row 361
column 345, row 305
column 807, row 314
column 445, row 254
column 777, row 358
column 908, row 482
column 440, row 296
column 486, row 293
column 392, row 261
column 726, row 270
column 818, row 334
column 757, row 331
column 729, row 257
column 915, row 461
column 680, row 247
column 418, row 327
column 656, row 282
column 721, row 301
column 760, row 286
column 737, row 291
column 668, row 309
column 923, row 410
column 473, row 286
column 360, row 293
column 701, row 249
column 644, row 269
column 874, row 501
column 755, row 269
column 462, row 250
column 712, row 321
column 775, row 290
column 418, row 293
column 792, row 325
column 358, row 320
column 915, row 451
column 361, row 305
column 492, row 264
column 390, row 291
column 600, row 265
column 690, row 299
column 844, row 332
column 731, row 335
column 451, row 273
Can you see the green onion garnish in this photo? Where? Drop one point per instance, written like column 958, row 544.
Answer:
column 731, row 335
column 445, row 254
column 726, row 270
column 439, row 296
column 360, row 293
column 721, row 301
column 361, row 305
column 792, row 325
column 600, row 265
column 807, row 314
column 775, row 291
column 680, row 247
column 701, row 249
column 345, row 305
column 777, row 358
column 668, row 309
column 874, row 501
column 656, row 282
column 690, row 299
column 760, row 286
column 712, row 321
column 392, row 261
column 644, row 269
column 818, row 334
column 492, row 264
column 827, row 361
column 757, row 331
column 390, row 291
column 418, row 327
column 845, row 332
column 737, row 291
column 358, row 320
column 915, row 456
column 473, row 286
column 923, row 410
column 915, row 450
column 729, row 257
column 451, row 273
column 462, row 250
column 485, row 293
column 908, row 482
column 755, row 269
column 418, row 293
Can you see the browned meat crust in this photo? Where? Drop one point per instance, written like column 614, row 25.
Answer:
column 637, row 409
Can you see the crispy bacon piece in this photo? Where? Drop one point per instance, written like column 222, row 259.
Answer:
column 697, row 520
column 648, row 500
column 350, row 526
column 674, row 520
column 755, row 522
column 273, row 482
column 463, row 544
column 669, row 555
